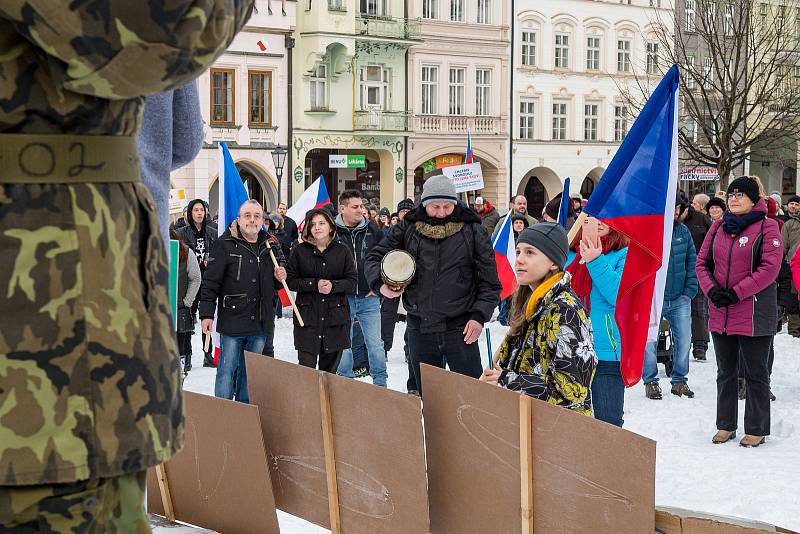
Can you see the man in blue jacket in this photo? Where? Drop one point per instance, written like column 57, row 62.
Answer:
column 681, row 287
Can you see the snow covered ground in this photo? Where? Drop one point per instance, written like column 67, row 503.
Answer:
column 691, row 472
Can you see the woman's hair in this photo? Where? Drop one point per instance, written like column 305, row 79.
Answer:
column 761, row 191
column 307, row 225
column 516, row 312
column 182, row 254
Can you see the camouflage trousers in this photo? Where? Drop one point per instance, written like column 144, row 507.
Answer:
column 108, row 505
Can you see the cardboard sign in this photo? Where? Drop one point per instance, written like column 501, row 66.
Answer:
column 588, row 476
column 679, row 521
column 177, row 200
column 220, row 480
column 467, row 177
column 287, row 395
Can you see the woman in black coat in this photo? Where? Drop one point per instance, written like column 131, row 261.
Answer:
column 323, row 272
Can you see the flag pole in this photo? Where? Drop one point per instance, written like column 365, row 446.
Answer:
column 285, row 287
column 576, row 227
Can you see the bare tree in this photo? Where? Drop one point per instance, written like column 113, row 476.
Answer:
column 740, row 78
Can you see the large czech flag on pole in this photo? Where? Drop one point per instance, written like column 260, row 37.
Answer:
column 315, row 196
column 505, row 256
column 636, row 196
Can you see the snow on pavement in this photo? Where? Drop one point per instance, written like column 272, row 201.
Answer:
column 691, row 472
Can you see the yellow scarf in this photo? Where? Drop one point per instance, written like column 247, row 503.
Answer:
column 539, row 293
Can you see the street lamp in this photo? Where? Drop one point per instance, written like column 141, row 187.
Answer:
column 278, row 159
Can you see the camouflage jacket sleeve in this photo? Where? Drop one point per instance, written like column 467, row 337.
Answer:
column 121, row 49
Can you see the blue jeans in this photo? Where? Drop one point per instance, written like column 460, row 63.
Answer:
column 231, row 374
column 368, row 311
column 679, row 314
column 608, row 392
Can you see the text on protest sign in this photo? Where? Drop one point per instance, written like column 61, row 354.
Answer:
column 465, row 177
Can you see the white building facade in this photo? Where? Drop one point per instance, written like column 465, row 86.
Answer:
column 574, row 61
column 243, row 101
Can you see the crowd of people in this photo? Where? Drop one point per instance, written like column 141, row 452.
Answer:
column 729, row 281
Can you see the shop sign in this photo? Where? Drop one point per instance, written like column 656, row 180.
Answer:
column 347, row 161
column 700, row 174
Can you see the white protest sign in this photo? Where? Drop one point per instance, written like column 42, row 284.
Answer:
column 177, row 199
column 466, row 177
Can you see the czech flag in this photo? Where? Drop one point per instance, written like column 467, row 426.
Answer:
column 505, row 256
column 314, row 197
column 563, row 208
column 469, row 157
column 636, row 196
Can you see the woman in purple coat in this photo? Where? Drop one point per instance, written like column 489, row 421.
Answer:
column 737, row 268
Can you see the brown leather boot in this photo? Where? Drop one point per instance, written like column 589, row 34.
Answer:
column 723, row 436
column 752, row 441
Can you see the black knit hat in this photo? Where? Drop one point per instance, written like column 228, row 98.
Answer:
column 405, row 204
column 549, row 238
column 746, row 185
column 794, row 198
column 718, row 202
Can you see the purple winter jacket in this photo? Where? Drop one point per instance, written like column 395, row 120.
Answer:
column 756, row 313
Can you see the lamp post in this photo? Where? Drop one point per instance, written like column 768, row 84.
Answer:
column 278, row 159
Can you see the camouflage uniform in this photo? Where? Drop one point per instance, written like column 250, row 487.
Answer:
column 89, row 387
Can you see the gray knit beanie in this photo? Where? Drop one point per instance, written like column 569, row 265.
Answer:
column 438, row 188
column 549, row 238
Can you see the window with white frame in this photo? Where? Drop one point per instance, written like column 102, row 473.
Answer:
column 592, row 53
column 430, row 9
column 728, row 25
column 375, row 8
column 456, row 90
column 319, row 86
column 691, row 129
column 624, row 55
column 483, row 87
column 690, row 13
column 590, row 119
column 484, row 12
column 710, row 15
column 620, row 123
column 430, row 90
column 562, row 50
column 689, row 76
column 527, row 115
column 708, row 70
column 652, row 58
column 559, row 121
column 763, row 11
column 457, row 10
column 374, row 87
column 529, row 48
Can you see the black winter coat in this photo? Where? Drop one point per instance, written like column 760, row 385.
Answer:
column 201, row 241
column 326, row 317
column 456, row 276
column 698, row 224
column 359, row 241
column 241, row 276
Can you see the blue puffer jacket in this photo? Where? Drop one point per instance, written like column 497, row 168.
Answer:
column 606, row 272
column 681, row 275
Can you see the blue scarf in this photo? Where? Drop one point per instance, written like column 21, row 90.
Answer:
column 736, row 224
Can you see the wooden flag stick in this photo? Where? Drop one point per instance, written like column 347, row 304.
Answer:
column 575, row 227
column 166, row 496
column 330, row 458
column 526, row 462
column 285, row 287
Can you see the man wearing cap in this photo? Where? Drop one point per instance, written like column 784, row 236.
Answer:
column 791, row 241
column 455, row 289
column 488, row 214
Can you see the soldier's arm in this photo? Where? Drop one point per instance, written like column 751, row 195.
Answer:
column 120, row 49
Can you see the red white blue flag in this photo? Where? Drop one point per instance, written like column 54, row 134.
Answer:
column 505, row 256
column 315, row 196
column 636, row 196
column 469, row 157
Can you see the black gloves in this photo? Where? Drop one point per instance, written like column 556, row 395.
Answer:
column 722, row 297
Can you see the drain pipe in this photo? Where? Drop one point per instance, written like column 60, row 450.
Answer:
column 511, row 104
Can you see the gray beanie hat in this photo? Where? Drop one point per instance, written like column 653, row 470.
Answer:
column 439, row 188
column 549, row 238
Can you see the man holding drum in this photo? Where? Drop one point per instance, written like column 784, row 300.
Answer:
column 455, row 288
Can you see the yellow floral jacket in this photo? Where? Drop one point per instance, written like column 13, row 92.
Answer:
column 554, row 359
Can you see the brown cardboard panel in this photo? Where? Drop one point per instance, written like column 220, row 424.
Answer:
column 380, row 459
column 588, row 476
column 680, row 521
column 472, row 447
column 287, row 396
column 220, row 480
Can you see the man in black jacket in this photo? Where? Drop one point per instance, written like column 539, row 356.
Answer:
column 355, row 232
column 199, row 234
column 455, row 289
column 242, row 278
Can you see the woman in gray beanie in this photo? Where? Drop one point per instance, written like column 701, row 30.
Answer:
column 548, row 352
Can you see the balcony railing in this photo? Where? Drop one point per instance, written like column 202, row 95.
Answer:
column 397, row 28
column 391, row 121
column 457, row 124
